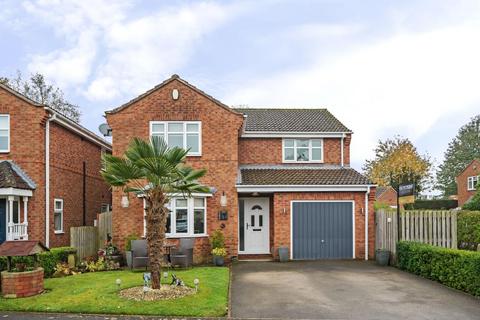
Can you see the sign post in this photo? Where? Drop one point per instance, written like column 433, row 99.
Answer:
column 407, row 193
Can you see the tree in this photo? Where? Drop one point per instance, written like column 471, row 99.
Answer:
column 474, row 203
column 460, row 152
column 37, row 89
column 157, row 172
column 397, row 161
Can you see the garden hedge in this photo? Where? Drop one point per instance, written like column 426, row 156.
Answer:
column 468, row 229
column 432, row 205
column 457, row 269
column 47, row 260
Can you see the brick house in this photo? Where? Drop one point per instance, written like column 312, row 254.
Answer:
column 386, row 195
column 49, row 172
column 281, row 175
column 467, row 181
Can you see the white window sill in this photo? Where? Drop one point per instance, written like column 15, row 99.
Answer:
column 289, row 161
column 59, row 232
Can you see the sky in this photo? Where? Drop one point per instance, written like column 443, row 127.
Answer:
column 384, row 68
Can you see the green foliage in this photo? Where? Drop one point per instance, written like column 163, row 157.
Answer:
column 219, row 252
column 128, row 241
column 380, row 205
column 218, row 239
column 437, row 204
column 474, row 203
column 460, row 152
column 47, row 260
column 468, row 229
column 457, row 269
column 397, row 161
column 37, row 89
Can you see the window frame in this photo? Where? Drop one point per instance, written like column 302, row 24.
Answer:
column 473, row 181
column 190, row 218
column 310, row 148
column 8, row 132
column 184, row 133
column 60, row 211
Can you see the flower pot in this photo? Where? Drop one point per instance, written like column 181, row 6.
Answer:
column 283, row 254
column 129, row 259
column 219, row 261
column 382, row 257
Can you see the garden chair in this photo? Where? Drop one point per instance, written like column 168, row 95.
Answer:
column 139, row 254
column 184, row 255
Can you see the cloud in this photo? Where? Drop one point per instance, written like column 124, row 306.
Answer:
column 402, row 84
column 111, row 53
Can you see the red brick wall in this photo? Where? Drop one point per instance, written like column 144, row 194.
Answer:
column 269, row 150
column 463, row 194
column 22, row 284
column 68, row 151
column 281, row 232
column 220, row 129
column 389, row 197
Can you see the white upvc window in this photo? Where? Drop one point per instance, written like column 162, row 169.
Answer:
column 302, row 150
column 183, row 134
column 4, row 133
column 472, row 183
column 187, row 217
column 58, row 215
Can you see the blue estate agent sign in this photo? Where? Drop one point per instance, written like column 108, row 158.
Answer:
column 406, row 190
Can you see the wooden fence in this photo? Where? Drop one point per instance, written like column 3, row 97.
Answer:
column 85, row 239
column 104, row 227
column 438, row 228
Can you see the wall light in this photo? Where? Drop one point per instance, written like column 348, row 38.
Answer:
column 223, row 200
column 125, row 203
column 175, row 94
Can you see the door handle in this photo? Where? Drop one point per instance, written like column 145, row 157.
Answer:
column 247, row 225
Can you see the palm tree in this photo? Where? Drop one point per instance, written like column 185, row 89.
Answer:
column 157, row 172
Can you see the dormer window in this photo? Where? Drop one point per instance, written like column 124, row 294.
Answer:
column 183, row 134
column 303, row 150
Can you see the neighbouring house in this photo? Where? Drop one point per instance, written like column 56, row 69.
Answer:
column 467, row 182
column 386, row 195
column 49, row 172
column 279, row 178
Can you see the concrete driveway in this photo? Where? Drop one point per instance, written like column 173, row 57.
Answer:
column 342, row 290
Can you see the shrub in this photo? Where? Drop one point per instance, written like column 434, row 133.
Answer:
column 468, row 229
column 47, row 260
column 217, row 240
column 432, row 204
column 219, row 252
column 474, row 203
column 457, row 269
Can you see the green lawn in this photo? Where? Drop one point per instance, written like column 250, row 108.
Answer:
column 97, row 293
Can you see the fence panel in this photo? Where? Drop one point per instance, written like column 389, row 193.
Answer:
column 84, row 239
column 104, row 227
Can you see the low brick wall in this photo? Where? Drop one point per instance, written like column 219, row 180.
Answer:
column 22, row 284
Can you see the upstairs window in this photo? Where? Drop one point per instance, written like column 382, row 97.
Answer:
column 186, row 135
column 4, row 133
column 472, row 183
column 58, row 215
column 302, row 150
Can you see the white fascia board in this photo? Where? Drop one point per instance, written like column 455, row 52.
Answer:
column 15, row 192
column 304, row 188
column 176, row 195
column 75, row 127
column 259, row 134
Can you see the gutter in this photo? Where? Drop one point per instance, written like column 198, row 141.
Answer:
column 341, row 149
column 366, row 222
column 47, row 179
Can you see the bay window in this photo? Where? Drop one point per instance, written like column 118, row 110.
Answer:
column 302, row 150
column 472, row 183
column 183, row 134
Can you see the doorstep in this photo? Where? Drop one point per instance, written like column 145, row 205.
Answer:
column 255, row 257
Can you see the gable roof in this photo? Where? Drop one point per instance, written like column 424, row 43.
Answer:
column 12, row 176
column 63, row 120
column 164, row 83
column 381, row 190
column 21, row 248
column 467, row 166
column 292, row 176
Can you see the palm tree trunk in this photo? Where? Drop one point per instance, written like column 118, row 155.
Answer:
column 156, row 217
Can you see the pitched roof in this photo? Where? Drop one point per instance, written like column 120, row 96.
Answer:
column 469, row 164
column 21, row 248
column 381, row 190
column 302, row 176
column 160, row 85
column 12, row 176
column 291, row 120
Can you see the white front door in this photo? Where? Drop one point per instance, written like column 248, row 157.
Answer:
column 256, row 223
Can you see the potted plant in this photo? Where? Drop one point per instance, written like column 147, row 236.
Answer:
column 382, row 256
column 218, row 248
column 128, row 249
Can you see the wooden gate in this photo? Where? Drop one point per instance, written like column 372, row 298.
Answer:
column 104, row 227
column 85, row 240
column 438, row 228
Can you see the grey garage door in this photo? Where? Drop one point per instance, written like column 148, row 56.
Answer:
column 322, row 230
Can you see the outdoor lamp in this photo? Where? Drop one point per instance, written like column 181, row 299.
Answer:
column 196, row 282
column 119, row 283
column 125, row 203
column 165, row 275
column 223, row 199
